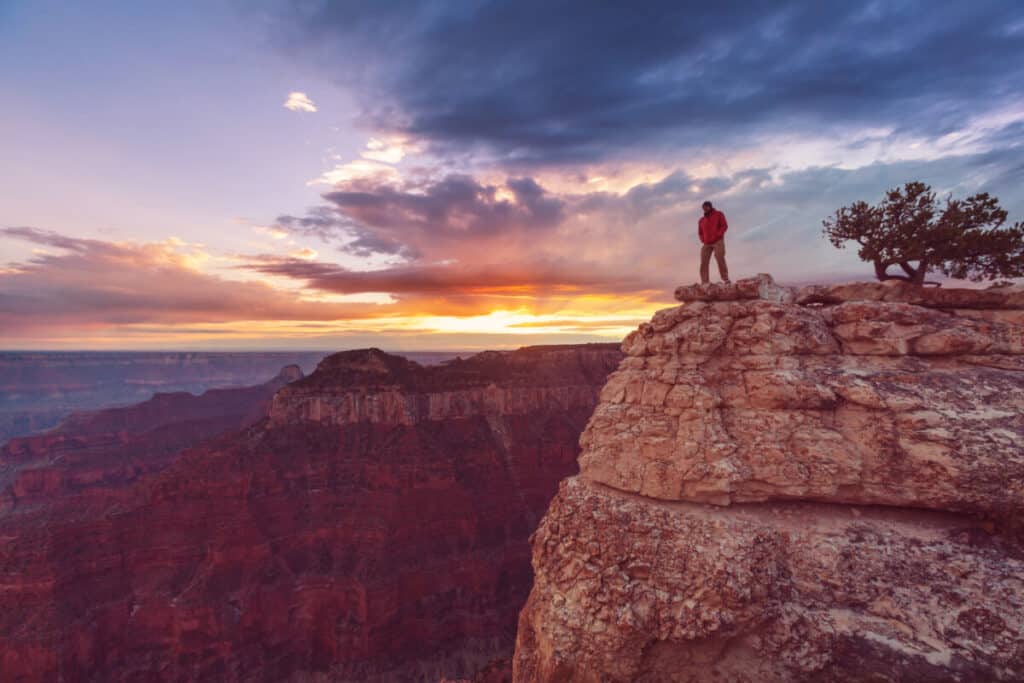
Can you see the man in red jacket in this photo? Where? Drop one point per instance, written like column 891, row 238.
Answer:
column 711, row 230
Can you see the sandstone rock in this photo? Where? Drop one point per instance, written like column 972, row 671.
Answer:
column 861, row 402
column 782, row 415
column 1011, row 297
column 760, row 287
column 628, row 589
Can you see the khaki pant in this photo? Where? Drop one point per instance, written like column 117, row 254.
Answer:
column 718, row 248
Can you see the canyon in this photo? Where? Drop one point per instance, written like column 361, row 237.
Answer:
column 368, row 521
column 115, row 447
column 764, row 483
column 819, row 483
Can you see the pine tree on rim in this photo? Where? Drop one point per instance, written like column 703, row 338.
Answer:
column 964, row 239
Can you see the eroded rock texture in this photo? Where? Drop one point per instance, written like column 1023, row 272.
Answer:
column 359, row 540
column 795, row 484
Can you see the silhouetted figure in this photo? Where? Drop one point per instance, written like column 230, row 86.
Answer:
column 711, row 230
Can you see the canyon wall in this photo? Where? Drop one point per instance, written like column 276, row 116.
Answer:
column 373, row 527
column 113, row 448
column 785, row 484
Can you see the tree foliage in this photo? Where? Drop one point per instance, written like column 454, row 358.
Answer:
column 965, row 238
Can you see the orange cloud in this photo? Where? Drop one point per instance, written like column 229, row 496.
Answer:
column 78, row 293
column 85, row 283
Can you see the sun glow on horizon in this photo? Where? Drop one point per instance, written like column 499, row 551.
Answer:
column 496, row 329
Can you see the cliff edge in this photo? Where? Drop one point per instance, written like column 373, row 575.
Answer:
column 784, row 484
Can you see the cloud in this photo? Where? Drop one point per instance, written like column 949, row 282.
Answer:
column 89, row 283
column 390, row 150
column 483, row 278
column 304, row 254
column 477, row 244
column 299, row 101
column 457, row 207
column 357, row 169
column 531, row 83
column 376, row 162
column 511, row 150
column 415, row 218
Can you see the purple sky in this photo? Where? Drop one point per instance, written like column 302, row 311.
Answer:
column 462, row 174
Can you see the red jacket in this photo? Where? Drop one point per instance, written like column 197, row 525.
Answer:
column 712, row 227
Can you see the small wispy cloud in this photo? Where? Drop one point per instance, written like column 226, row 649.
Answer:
column 299, row 101
column 389, row 151
column 360, row 169
column 304, row 254
column 275, row 233
column 376, row 162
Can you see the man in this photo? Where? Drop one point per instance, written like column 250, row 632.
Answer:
column 711, row 230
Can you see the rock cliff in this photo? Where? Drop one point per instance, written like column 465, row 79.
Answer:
column 373, row 537
column 785, row 484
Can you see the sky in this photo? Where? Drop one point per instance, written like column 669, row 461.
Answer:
column 461, row 175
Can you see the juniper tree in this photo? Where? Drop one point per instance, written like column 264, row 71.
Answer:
column 965, row 238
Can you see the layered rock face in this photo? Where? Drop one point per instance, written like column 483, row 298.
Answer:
column 315, row 545
column 378, row 388
column 795, row 484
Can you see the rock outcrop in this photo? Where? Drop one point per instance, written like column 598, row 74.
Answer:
column 785, row 484
column 375, row 543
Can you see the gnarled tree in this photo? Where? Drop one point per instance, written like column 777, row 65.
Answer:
column 964, row 239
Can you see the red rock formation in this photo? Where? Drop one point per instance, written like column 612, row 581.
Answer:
column 788, row 485
column 371, row 539
column 114, row 447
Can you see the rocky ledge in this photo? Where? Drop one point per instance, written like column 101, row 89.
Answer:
column 778, row 484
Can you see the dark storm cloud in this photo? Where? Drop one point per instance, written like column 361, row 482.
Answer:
column 413, row 217
column 319, row 221
column 457, row 205
column 539, row 82
column 328, row 224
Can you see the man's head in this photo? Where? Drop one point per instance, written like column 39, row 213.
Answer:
column 707, row 208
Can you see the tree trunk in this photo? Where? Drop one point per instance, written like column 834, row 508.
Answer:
column 913, row 275
column 882, row 274
column 922, row 270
